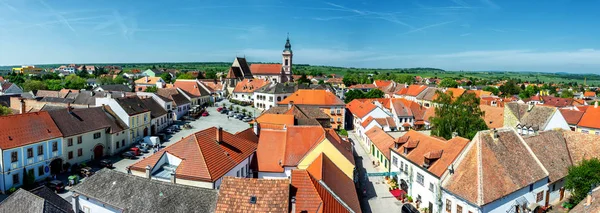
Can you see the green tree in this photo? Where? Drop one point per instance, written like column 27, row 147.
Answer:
column 462, row 116
column 374, row 93
column 119, row 80
column 353, row 94
column 448, row 83
column 529, row 91
column 105, row 80
column 54, row 84
column 5, row 110
column 321, row 81
column 185, row 76
column 166, row 77
column 581, row 178
column 491, row 89
column 509, row 88
column 566, row 94
column 151, row 89
column 31, row 85
column 18, row 79
column 211, row 74
column 303, row 79
column 28, row 179
column 75, row 82
column 83, row 73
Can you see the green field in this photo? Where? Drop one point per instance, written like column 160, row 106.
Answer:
column 592, row 79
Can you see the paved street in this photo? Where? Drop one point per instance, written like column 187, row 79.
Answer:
column 377, row 197
column 214, row 119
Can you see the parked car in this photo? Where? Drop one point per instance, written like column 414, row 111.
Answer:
column 219, row 109
column 86, row 171
column 56, row 185
column 152, row 141
column 231, row 114
column 247, row 119
column 106, row 163
column 204, row 114
column 135, row 150
column 224, row 111
column 142, row 147
column 128, row 155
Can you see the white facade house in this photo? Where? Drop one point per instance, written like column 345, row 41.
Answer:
column 363, row 110
column 164, row 102
column 132, row 112
column 287, row 173
column 269, row 95
column 244, row 90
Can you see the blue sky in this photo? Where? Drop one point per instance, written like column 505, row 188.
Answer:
column 518, row 35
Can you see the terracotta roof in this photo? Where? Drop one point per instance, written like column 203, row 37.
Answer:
column 204, row 159
column 307, row 197
column 387, row 121
column 479, row 93
column 212, row 85
column 557, row 102
column 551, row 150
column 334, row 80
column 382, row 83
column 413, row 90
column 572, row 116
column 249, row 85
column 23, row 129
column 283, row 119
column 589, row 94
column 537, row 117
column 248, row 134
column 337, row 190
column 313, row 97
column 429, row 94
column 271, row 195
column 493, row 116
column 360, row 109
column 426, row 145
column 173, row 94
column 362, row 86
column 151, row 80
column 582, row 146
column 429, row 112
column 192, row 87
column 303, row 115
column 590, row 118
column 47, row 93
column 456, row 92
column 381, row 139
column 266, row 69
column 494, row 168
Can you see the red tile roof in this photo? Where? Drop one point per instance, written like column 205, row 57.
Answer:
column 334, row 80
column 493, row 116
column 412, row 90
column 382, row 83
column 313, row 97
column 24, row 129
column 359, row 108
column 337, row 190
column 204, row 159
column 190, row 86
column 362, row 86
column 272, row 195
column 426, row 146
column 283, row 119
column 590, row 118
column 266, row 69
column 585, row 94
column 381, row 139
column 572, row 116
column 148, row 80
column 249, row 85
column 307, row 197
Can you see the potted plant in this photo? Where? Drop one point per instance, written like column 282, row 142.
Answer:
column 409, row 199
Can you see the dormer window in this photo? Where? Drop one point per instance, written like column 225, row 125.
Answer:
column 406, row 151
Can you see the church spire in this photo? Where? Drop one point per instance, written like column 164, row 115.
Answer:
column 288, row 46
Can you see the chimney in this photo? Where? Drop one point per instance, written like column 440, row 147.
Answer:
column 588, row 199
column 290, row 104
column 148, row 169
column 530, row 107
column 69, row 107
column 75, row 202
column 454, row 134
column 495, row 133
column 173, row 177
column 220, row 134
column 256, row 128
column 596, row 104
column 146, row 79
column 23, row 106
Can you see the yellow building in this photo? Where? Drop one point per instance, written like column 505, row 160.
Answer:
column 329, row 149
column 27, row 70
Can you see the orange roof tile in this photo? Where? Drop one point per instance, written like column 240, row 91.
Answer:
column 425, row 146
column 572, row 116
column 589, row 94
column 456, row 92
column 266, row 69
column 493, row 116
column 307, row 197
column 590, row 118
column 414, row 90
column 313, row 97
column 272, row 195
column 333, row 80
column 249, row 85
column 479, row 93
column 360, row 109
column 24, row 129
column 327, row 179
column 151, row 80
column 204, row 159
column 382, row 83
column 283, row 119
column 362, row 86
column 190, row 86
column 381, row 139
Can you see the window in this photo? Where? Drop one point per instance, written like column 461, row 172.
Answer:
column 97, row 135
column 331, row 110
column 585, row 131
column 16, row 179
column 243, row 174
column 420, row 179
column 54, row 146
column 458, row 209
column 339, row 111
column 431, row 187
column 14, row 156
column 286, row 62
column 394, row 161
column 79, row 139
column 29, row 152
column 331, row 120
column 339, row 119
column 40, row 150
column 401, row 165
column 123, row 142
column 278, row 99
column 237, row 173
column 448, row 205
column 40, row 170
column 70, row 155
column 405, row 168
column 79, row 152
column 530, row 187
column 168, row 107
column 70, row 142
column 117, row 144
column 539, row 197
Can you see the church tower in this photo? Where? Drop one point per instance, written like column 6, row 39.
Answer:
column 286, row 64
